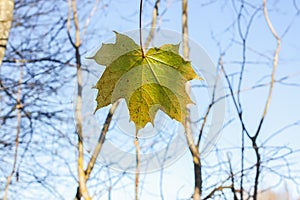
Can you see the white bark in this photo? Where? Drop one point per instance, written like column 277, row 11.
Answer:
column 6, row 16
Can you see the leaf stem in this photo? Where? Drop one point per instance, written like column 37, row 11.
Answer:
column 140, row 27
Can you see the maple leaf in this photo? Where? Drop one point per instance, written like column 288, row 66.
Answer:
column 147, row 83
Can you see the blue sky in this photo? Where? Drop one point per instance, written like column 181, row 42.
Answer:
column 214, row 27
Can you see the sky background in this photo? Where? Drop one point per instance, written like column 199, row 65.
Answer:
column 213, row 25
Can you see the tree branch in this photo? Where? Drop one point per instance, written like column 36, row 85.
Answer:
column 153, row 24
column 18, row 107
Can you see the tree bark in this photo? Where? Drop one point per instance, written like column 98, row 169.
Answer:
column 6, row 16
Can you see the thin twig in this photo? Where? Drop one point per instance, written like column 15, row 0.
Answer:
column 69, row 24
column 243, row 65
column 101, row 139
column 153, row 24
column 88, row 20
column 232, row 178
column 18, row 106
column 244, row 130
column 220, row 189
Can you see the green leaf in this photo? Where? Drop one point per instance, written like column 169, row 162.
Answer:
column 109, row 52
column 155, row 81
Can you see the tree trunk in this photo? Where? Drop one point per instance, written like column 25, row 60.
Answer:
column 6, row 15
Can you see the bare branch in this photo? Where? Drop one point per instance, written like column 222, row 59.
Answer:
column 18, row 107
column 275, row 63
column 80, row 165
column 153, row 24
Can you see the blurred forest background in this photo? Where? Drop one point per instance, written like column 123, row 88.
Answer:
column 255, row 46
